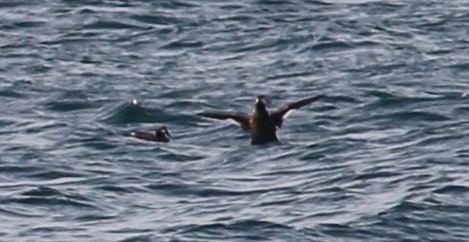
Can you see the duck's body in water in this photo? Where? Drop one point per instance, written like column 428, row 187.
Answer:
column 161, row 135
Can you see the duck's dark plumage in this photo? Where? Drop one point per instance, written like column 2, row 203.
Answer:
column 242, row 119
column 262, row 124
column 161, row 135
column 282, row 113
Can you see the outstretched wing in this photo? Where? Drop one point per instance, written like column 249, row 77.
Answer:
column 241, row 119
column 283, row 112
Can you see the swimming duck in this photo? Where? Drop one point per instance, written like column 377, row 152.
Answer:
column 161, row 135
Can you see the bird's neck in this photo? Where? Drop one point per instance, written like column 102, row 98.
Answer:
column 260, row 109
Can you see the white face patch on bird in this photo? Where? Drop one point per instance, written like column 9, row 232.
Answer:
column 262, row 99
column 165, row 131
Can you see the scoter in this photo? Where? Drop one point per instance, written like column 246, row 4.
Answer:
column 262, row 124
column 161, row 135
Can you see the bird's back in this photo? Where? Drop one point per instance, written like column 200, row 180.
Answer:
column 263, row 129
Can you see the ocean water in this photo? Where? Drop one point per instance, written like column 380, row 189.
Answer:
column 384, row 157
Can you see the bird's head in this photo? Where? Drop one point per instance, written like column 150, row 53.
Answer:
column 163, row 131
column 262, row 101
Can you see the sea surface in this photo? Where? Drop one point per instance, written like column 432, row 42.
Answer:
column 384, row 157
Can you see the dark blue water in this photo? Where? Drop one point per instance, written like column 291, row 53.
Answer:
column 383, row 158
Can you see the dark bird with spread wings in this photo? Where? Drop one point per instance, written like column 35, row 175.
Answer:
column 262, row 124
